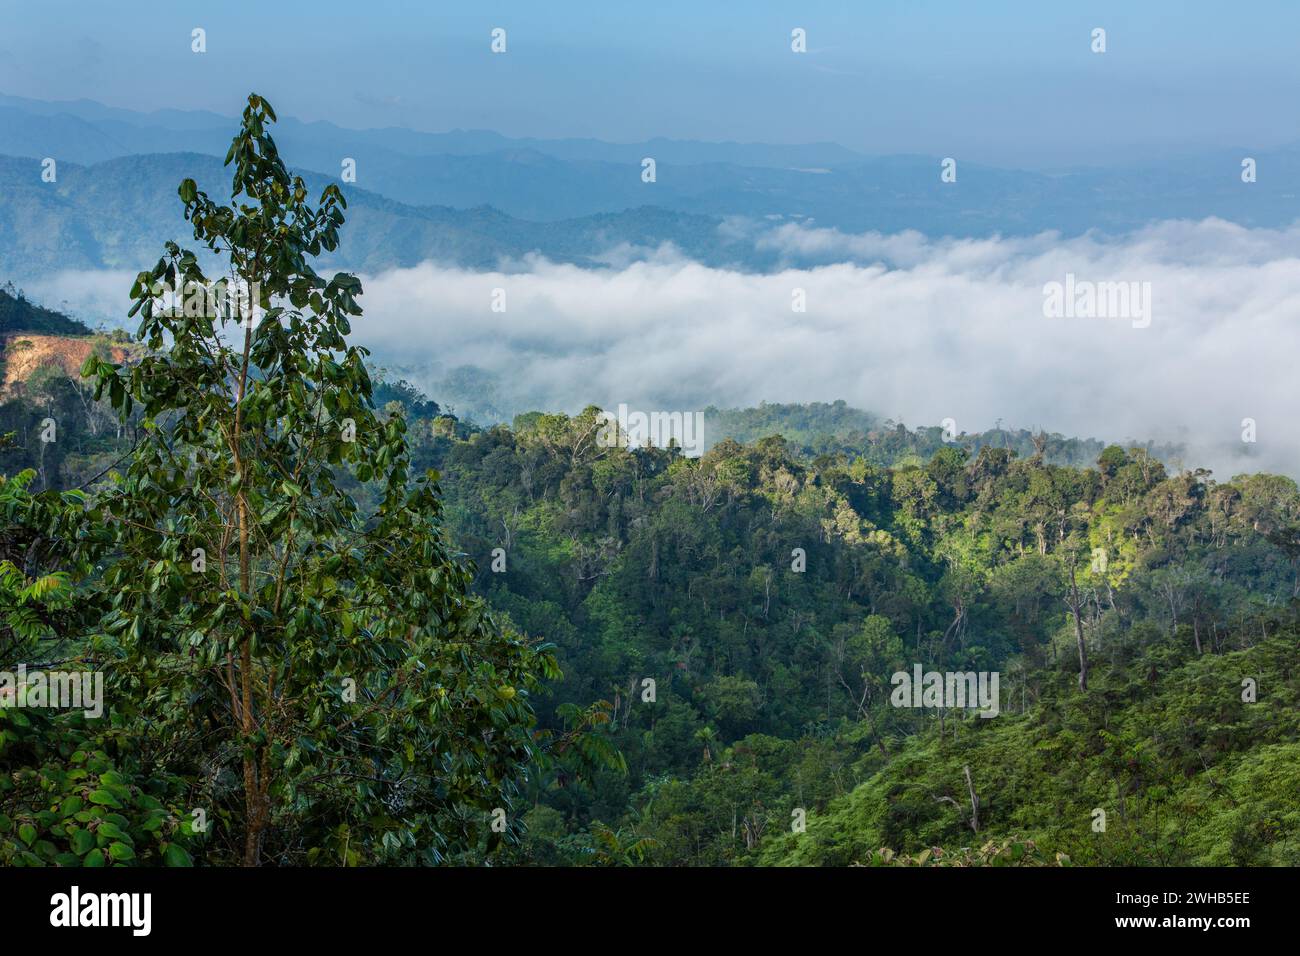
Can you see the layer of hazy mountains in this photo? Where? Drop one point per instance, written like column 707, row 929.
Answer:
column 476, row 198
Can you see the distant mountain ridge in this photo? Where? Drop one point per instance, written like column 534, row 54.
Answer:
column 477, row 199
column 117, row 214
column 210, row 132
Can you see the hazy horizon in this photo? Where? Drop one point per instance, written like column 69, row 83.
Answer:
column 939, row 78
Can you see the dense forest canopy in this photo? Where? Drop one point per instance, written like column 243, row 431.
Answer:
column 346, row 627
column 833, row 428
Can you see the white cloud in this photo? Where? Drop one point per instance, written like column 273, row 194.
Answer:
column 908, row 327
column 926, row 331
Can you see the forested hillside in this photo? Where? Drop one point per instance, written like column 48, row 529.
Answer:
column 772, row 685
column 17, row 314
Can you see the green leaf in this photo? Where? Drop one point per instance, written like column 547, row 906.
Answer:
column 176, row 855
column 83, row 841
column 113, row 832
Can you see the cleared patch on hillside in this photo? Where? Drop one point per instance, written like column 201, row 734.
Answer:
column 25, row 353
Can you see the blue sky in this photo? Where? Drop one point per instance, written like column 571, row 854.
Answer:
column 1013, row 83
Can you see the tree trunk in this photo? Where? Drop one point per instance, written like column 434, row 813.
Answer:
column 1078, row 632
column 974, row 802
column 254, row 787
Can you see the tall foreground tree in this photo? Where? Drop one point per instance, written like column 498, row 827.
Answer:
column 322, row 672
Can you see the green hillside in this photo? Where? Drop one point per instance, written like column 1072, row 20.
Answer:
column 17, row 314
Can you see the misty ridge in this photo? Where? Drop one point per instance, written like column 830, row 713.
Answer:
column 507, row 275
column 476, row 198
column 910, row 328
